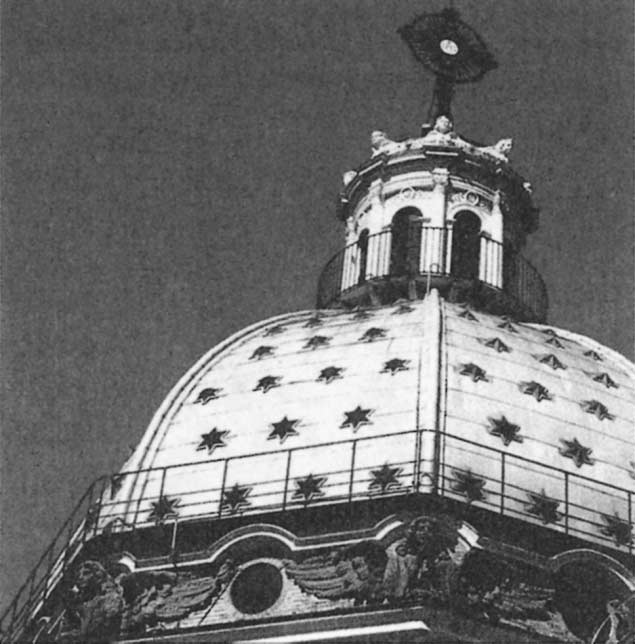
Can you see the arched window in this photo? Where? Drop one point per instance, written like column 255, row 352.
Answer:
column 362, row 255
column 405, row 248
column 466, row 245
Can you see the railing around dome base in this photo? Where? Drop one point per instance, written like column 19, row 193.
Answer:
column 501, row 276
column 357, row 469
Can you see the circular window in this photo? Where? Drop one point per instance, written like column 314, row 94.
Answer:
column 449, row 47
column 256, row 588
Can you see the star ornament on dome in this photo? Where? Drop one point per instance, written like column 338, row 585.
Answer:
column 317, row 341
column 267, row 383
column 554, row 341
column 261, row 352
column 552, row 361
column 466, row 314
column 372, row 334
column 474, row 372
column 506, row 431
column 544, row 507
column 605, row 379
column 402, row 308
column 507, row 325
column 356, row 418
column 594, row 355
column 314, row 321
column 469, row 485
column 329, row 374
column 497, row 344
column 617, row 528
column 395, row 365
column 309, row 487
column 535, row 389
column 577, row 452
column 212, row 440
column 207, row 394
column 361, row 314
column 283, row 429
column 163, row 509
column 385, row 479
column 235, row 499
column 274, row 330
column 597, row 409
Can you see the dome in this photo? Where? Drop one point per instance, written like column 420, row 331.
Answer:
column 315, row 407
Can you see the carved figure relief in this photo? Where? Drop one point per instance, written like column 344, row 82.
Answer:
column 101, row 606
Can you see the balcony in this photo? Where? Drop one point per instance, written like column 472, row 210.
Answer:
column 490, row 275
column 204, row 489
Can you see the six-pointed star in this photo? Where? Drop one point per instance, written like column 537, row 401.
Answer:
column 468, row 315
column 594, row 355
column 555, row 342
column 207, row 394
column 274, row 330
column 317, row 341
column 261, row 352
column 552, row 361
column 385, row 478
column 212, row 440
column 395, row 365
column 235, row 498
column 618, row 528
column 284, row 428
column 597, row 409
column 497, row 344
column 474, row 371
column 356, row 418
column 329, row 374
column 402, row 308
column 372, row 334
column 468, row 484
column 606, row 380
column 507, row 431
column 577, row 452
column 544, row 507
column 508, row 326
column 316, row 320
column 309, row 487
column 536, row 390
column 361, row 314
column 267, row 383
column 163, row 509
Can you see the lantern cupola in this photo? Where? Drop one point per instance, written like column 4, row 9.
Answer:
column 438, row 210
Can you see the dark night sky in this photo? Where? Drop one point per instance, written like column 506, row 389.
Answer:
column 168, row 177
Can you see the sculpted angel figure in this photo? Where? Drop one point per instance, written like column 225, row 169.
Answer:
column 100, row 607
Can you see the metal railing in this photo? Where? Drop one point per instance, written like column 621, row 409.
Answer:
column 127, row 501
column 496, row 265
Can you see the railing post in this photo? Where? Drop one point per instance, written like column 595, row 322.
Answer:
column 566, row 502
column 222, row 488
column 417, row 463
column 502, row 481
column 286, row 481
column 630, row 519
column 352, row 477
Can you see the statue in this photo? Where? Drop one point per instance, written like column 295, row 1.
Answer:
column 381, row 144
column 101, row 607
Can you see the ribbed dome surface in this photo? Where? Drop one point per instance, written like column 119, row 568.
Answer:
column 527, row 420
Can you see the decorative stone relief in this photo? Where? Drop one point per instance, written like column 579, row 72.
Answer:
column 102, row 607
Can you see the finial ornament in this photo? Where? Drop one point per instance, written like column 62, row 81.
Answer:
column 451, row 50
